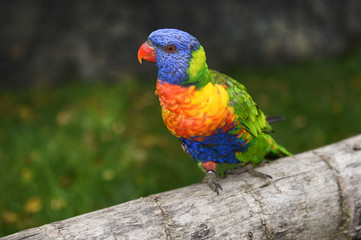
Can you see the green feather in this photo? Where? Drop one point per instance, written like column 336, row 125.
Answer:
column 252, row 119
column 250, row 116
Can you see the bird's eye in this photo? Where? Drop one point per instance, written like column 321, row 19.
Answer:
column 170, row 48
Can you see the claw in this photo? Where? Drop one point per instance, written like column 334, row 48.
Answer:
column 212, row 182
column 236, row 170
column 255, row 173
column 247, row 168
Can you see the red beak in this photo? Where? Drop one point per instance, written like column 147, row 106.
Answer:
column 147, row 52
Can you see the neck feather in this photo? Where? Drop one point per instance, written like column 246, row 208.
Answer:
column 198, row 74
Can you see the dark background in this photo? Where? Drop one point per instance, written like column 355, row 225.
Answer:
column 43, row 42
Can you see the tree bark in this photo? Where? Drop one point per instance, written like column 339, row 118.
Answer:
column 313, row 195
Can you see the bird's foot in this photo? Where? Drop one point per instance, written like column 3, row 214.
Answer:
column 212, row 181
column 255, row 173
column 247, row 168
column 235, row 171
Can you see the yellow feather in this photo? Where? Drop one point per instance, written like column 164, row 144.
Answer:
column 197, row 62
column 198, row 112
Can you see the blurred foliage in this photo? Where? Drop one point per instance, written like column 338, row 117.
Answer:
column 76, row 148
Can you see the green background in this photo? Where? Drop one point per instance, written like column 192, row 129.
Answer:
column 79, row 147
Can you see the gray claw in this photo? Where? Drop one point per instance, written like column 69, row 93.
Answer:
column 235, row 171
column 255, row 173
column 212, row 182
column 247, row 168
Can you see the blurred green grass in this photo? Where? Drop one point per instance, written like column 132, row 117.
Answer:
column 79, row 147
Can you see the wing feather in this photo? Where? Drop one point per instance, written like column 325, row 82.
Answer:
column 247, row 111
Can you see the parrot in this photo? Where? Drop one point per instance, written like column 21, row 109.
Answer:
column 212, row 114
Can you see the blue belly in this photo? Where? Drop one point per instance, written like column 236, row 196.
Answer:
column 220, row 147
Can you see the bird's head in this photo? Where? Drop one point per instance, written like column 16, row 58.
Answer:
column 178, row 55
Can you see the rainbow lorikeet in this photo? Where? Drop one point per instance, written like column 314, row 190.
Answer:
column 212, row 115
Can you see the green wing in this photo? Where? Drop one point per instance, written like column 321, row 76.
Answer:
column 250, row 116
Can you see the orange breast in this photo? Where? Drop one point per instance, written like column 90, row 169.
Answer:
column 188, row 112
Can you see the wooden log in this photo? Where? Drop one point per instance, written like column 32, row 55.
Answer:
column 313, row 195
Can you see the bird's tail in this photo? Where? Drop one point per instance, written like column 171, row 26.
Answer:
column 276, row 150
column 272, row 119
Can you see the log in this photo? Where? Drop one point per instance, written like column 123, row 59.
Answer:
column 313, row 195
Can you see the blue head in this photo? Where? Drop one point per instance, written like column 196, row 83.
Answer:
column 174, row 50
